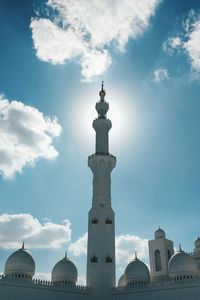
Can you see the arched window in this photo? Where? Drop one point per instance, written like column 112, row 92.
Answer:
column 108, row 221
column 108, row 259
column 169, row 254
column 95, row 221
column 157, row 260
column 94, row 259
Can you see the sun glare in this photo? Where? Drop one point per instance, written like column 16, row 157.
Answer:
column 121, row 113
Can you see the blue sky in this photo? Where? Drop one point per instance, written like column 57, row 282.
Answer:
column 53, row 57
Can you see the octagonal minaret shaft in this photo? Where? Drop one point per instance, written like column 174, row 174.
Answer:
column 102, row 125
column 101, row 225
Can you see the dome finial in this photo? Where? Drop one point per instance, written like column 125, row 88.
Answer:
column 102, row 93
column 66, row 255
column 136, row 256
column 23, row 246
column 180, row 249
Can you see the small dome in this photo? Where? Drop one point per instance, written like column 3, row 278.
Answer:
column 64, row 272
column 182, row 264
column 121, row 281
column 197, row 243
column 102, row 92
column 20, row 264
column 159, row 234
column 136, row 271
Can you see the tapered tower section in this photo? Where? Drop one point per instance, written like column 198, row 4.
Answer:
column 101, row 223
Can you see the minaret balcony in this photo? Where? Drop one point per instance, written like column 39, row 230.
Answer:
column 101, row 164
column 102, row 108
column 102, row 124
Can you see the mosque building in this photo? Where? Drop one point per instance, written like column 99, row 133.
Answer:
column 172, row 276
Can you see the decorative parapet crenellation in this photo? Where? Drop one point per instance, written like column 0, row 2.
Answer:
column 170, row 283
column 43, row 283
column 195, row 252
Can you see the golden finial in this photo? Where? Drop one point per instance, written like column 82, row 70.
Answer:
column 102, row 93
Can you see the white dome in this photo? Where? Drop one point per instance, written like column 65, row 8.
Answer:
column 136, row 271
column 182, row 264
column 20, row 264
column 64, row 272
column 197, row 243
column 159, row 234
column 121, row 281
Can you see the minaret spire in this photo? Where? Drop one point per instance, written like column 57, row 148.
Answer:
column 102, row 92
column 101, row 228
column 102, row 125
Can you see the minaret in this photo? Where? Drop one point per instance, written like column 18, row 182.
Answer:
column 101, row 223
column 160, row 251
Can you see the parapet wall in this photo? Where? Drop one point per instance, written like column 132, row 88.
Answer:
column 13, row 289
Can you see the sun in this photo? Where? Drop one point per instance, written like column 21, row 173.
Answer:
column 121, row 113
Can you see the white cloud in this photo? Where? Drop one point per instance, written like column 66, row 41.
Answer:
column 86, row 30
column 24, row 227
column 173, row 43
column 80, row 246
column 52, row 42
column 188, row 41
column 94, row 62
column 26, row 135
column 81, row 280
column 127, row 245
column 160, row 74
column 43, row 276
column 192, row 46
